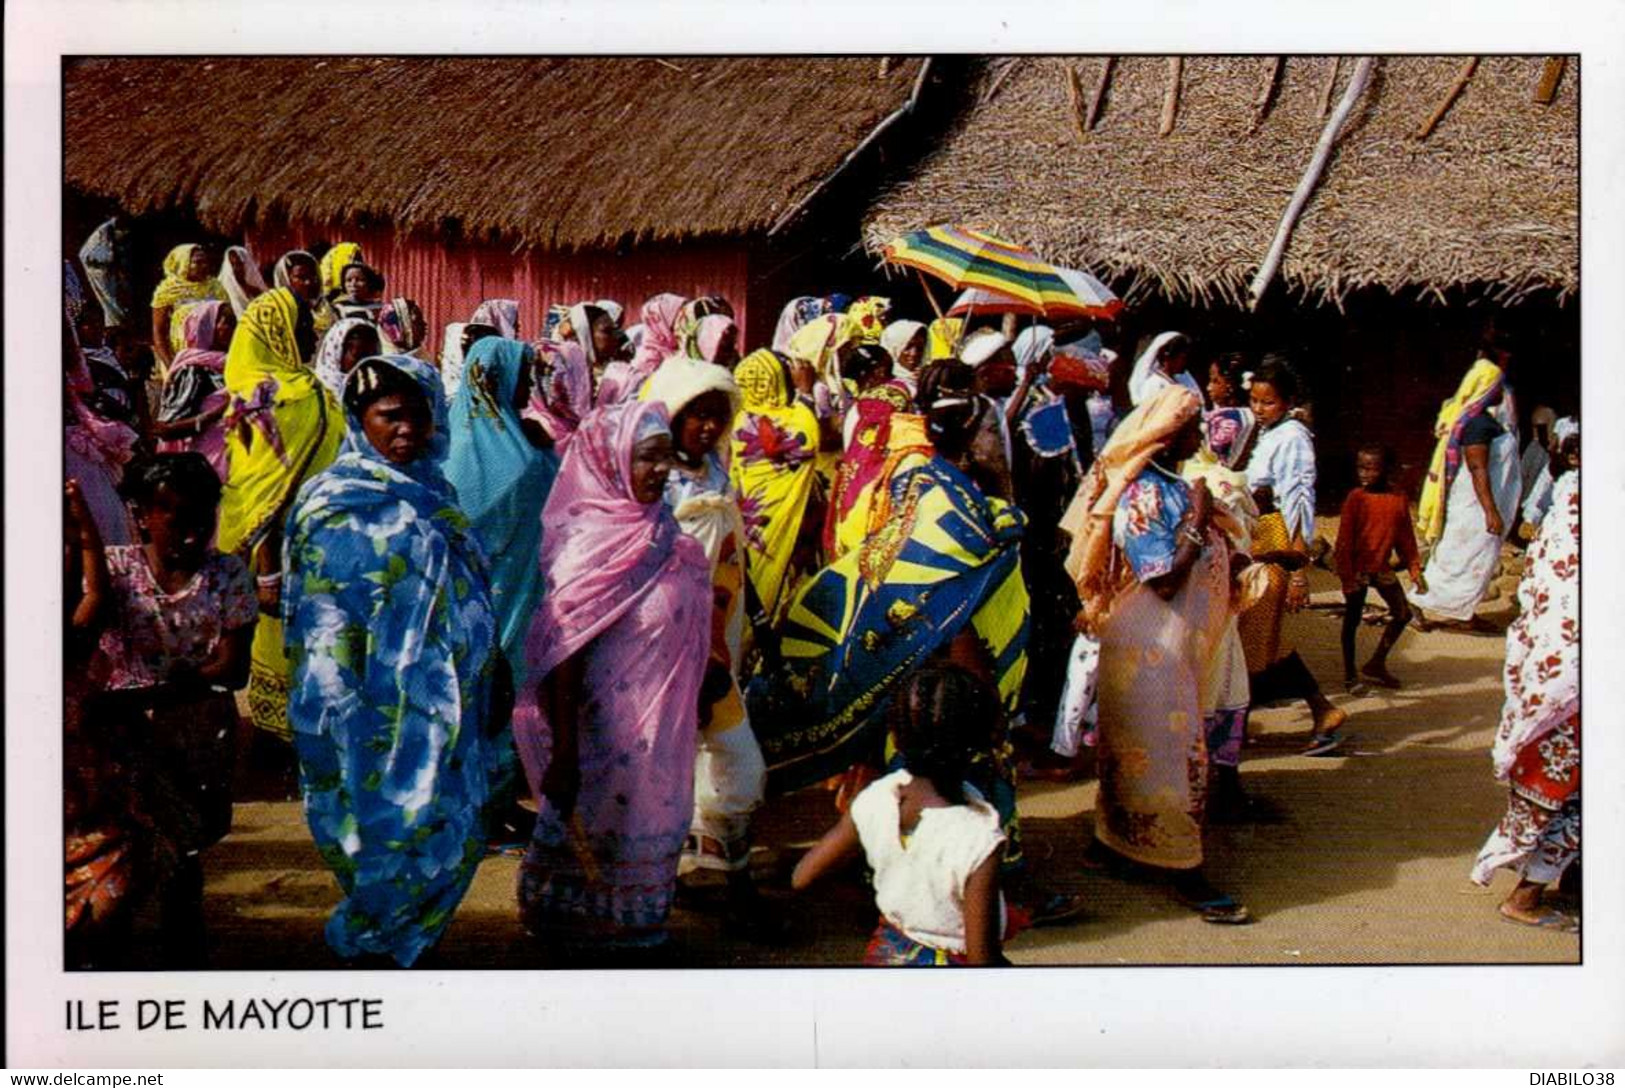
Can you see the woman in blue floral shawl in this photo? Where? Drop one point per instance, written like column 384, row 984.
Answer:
column 393, row 642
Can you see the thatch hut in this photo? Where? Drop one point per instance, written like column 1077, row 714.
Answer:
column 544, row 179
column 1174, row 185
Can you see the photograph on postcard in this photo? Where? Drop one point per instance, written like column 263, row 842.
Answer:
column 809, row 511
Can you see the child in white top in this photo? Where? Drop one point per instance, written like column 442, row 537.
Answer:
column 934, row 844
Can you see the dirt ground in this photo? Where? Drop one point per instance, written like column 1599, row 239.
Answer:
column 1360, row 858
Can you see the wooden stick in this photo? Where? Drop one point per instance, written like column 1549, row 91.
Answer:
column 1456, row 88
column 1311, row 177
column 926, row 287
column 1099, row 96
column 1266, row 96
column 885, row 67
column 1074, row 94
column 1550, row 76
column 998, row 80
column 1170, row 97
column 1327, row 88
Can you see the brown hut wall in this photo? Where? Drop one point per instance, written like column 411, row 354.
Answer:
column 448, row 280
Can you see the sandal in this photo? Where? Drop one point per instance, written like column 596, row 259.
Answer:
column 1547, row 919
column 1326, row 744
column 707, row 852
column 1221, row 910
column 1056, row 909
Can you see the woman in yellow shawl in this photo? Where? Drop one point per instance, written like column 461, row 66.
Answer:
column 1152, row 571
column 775, row 441
column 283, row 427
column 1463, row 516
column 816, row 352
column 186, row 283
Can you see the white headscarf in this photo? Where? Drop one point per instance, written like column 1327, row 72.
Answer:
column 332, row 350
column 898, row 335
column 581, row 329
column 451, row 359
column 1033, row 344
column 235, row 291
column 981, row 346
column 612, row 308
column 1149, row 366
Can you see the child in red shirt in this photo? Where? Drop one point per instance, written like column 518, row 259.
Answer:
column 1376, row 522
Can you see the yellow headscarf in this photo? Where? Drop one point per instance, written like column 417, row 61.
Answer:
column 1480, row 381
column 179, row 294
column 817, row 342
column 333, row 262
column 870, row 314
column 943, row 339
column 1143, row 434
column 283, row 426
column 774, row 480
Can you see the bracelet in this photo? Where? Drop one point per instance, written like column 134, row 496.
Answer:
column 269, row 581
column 1192, row 535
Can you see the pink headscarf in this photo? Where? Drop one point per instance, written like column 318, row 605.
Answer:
column 198, row 332
column 660, row 315
column 712, row 332
column 502, row 314
column 602, row 551
column 562, row 393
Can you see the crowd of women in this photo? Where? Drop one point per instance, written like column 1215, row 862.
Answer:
column 603, row 586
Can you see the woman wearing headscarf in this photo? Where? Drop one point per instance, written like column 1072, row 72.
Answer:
column 904, row 341
column 1564, row 445
column 350, row 340
column 1152, row 571
column 95, row 448
column 622, row 381
column 1229, row 435
column 502, row 314
column 341, row 256
column 402, row 326
column 562, row 392
column 186, row 282
column 869, row 445
column 940, row 572
column 607, row 722
column 1537, row 746
column 796, row 314
column 195, row 398
column 729, row 776
column 1463, row 517
column 282, row 428
column 595, row 331
column 105, row 257
column 1164, row 362
column 714, row 340
column 360, row 293
column 241, row 278
column 775, row 439
column 300, row 274
column 502, row 480
column 394, row 643
column 816, row 353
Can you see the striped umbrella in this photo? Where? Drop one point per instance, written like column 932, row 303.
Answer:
column 965, row 258
column 1093, row 300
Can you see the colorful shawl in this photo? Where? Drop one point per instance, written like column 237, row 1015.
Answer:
column 870, row 314
column 602, row 552
column 947, row 556
column 237, row 291
column 622, row 380
column 1478, row 387
column 818, row 342
column 391, row 633
column 562, row 393
column 202, row 354
column 395, row 323
column 943, row 336
column 1543, row 644
column 282, row 426
column 1140, row 437
column 774, row 443
column 872, row 453
column 795, row 315
column 334, row 262
column 502, row 314
column 331, row 353
column 502, row 482
column 1229, row 430
column 279, row 273
column 706, row 337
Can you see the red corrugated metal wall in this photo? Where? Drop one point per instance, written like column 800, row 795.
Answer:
column 449, row 280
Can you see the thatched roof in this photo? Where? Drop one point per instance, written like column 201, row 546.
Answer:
column 1488, row 202
column 549, row 152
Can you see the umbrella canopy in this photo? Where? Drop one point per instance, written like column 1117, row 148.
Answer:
column 966, row 258
column 1091, row 299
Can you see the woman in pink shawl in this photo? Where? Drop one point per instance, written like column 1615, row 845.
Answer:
column 621, row 381
column 562, row 392
column 195, row 396
column 607, row 724
column 502, row 314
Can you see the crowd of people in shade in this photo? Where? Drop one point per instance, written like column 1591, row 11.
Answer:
column 595, row 590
